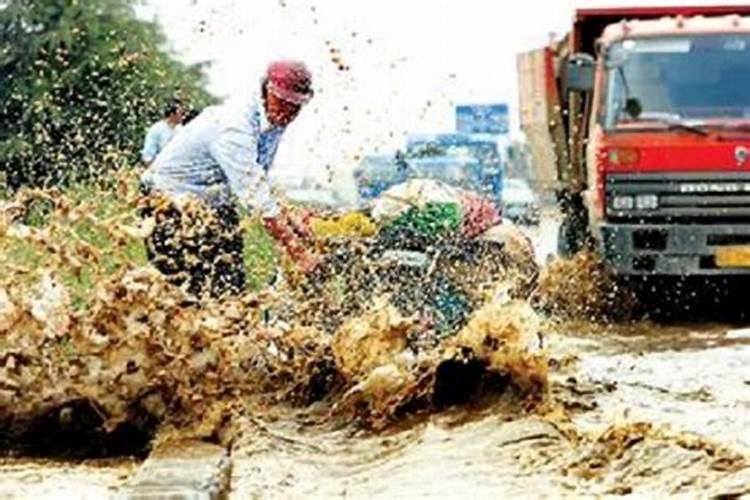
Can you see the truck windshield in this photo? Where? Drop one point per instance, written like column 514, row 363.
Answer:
column 676, row 79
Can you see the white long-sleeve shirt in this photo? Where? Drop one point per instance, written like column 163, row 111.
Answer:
column 157, row 137
column 223, row 154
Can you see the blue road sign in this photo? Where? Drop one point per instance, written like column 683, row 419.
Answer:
column 482, row 119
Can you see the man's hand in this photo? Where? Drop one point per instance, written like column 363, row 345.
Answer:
column 299, row 222
column 281, row 230
column 308, row 262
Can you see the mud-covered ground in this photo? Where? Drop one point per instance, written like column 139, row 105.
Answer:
column 641, row 397
column 655, row 411
column 693, row 377
column 52, row 480
column 521, row 400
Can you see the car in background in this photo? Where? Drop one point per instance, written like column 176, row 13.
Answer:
column 519, row 202
column 377, row 173
column 468, row 161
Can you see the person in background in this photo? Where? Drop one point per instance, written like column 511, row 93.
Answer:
column 190, row 115
column 220, row 160
column 161, row 132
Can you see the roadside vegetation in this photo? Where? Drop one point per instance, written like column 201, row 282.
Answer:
column 88, row 233
column 80, row 83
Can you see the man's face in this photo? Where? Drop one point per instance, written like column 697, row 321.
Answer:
column 177, row 117
column 280, row 113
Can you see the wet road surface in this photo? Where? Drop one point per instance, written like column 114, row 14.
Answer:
column 689, row 378
column 675, row 379
column 48, row 480
column 693, row 377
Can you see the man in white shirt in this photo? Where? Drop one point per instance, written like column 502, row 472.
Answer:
column 161, row 132
column 221, row 159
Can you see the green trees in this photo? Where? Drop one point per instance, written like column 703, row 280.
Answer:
column 80, row 81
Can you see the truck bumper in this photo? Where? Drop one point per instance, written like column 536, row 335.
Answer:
column 674, row 249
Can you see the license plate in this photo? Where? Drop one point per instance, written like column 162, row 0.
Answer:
column 737, row 256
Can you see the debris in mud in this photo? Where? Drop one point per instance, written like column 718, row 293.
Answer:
column 610, row 446
column 627, row 457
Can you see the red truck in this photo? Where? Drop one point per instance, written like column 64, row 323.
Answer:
column 639, row 120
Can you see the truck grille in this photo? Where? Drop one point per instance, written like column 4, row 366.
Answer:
column 700, row 197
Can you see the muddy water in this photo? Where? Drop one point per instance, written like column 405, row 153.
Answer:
column 48, row 480
column 680, row 378
column 435, row 459
column 693, row 377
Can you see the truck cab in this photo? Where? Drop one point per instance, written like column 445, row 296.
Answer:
column 647, row 137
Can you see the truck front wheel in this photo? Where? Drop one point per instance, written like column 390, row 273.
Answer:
column 573, row 235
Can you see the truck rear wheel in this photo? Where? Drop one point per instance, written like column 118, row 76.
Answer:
column 573, row 234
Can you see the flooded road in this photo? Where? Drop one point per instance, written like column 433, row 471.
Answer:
column 637, row 408
column 693, row 377
column 679, row 383
column 655, row 410
column 690, row 378
column 49, row 480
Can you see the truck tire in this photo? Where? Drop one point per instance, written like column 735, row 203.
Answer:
column 572, row 236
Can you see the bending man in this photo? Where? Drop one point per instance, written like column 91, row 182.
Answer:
column 222, row 158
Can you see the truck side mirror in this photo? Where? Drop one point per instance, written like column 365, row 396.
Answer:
column 580, row 73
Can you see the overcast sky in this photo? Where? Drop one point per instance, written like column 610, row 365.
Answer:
column 405, row 62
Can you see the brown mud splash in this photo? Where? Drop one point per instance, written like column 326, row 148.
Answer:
column 584, row 288
column 392, row 372
column 142, row 354
column 136, row 354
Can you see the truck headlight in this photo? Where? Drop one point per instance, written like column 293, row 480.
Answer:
column 623, row 203
column 647, row 202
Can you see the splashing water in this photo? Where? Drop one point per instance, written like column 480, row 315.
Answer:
column 97, row 345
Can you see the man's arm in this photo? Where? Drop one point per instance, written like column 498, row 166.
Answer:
column 236, row 151
column 150, row 146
